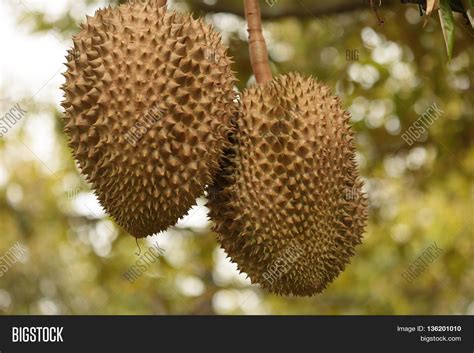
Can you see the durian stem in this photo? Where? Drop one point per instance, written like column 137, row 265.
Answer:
column 257, row 46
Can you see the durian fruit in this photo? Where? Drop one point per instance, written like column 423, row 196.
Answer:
column 288, row 206
column 148, row 101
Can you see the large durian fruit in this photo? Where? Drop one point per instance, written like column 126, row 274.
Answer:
column 288, row 205
column 148, row 100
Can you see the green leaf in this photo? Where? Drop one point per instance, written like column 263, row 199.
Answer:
column 447, row 25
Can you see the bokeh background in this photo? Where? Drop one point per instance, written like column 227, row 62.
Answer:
column 387, row 76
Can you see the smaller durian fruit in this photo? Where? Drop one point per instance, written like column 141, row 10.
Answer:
column 149, row 94
column 288, row 205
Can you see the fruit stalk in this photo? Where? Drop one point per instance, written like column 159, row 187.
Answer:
column 257, row 46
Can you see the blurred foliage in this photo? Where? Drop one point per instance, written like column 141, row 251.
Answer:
column 387, row 76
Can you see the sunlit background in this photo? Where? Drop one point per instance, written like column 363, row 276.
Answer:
column 387, row 75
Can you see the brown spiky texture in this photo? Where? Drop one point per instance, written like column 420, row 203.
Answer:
column 140, row 70
column 288, row 206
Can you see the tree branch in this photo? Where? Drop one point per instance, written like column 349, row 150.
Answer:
column 257, row 46
column 299, row 9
